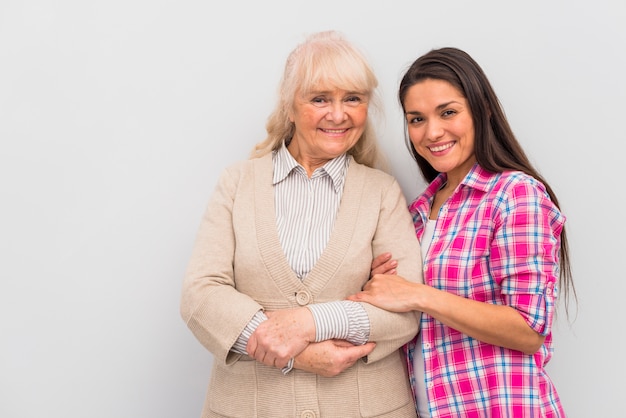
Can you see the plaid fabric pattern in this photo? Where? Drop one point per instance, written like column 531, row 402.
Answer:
column 496, row 241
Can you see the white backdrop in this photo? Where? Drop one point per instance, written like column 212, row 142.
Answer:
column 117, row 116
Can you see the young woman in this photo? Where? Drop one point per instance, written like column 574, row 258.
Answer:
column 494, row 251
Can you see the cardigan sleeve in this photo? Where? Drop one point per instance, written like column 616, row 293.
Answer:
column 212, row 308
column 395, row 234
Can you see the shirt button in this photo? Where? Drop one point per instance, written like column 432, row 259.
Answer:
column 307, row 414
column 427, row 346
column 303, row 298
column 430, row 385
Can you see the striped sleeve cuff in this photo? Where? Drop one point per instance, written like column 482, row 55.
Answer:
column 241, row 343
column 343, row 320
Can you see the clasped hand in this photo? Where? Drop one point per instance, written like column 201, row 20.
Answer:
column 282, row 336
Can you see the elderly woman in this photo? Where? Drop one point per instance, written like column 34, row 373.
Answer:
column 286, row 237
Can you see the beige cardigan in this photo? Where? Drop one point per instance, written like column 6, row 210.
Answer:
column 238, row 267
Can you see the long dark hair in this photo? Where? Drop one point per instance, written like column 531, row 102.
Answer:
column 496, row 148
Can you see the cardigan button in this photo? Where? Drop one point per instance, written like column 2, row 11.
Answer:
column 303, row 298
column 307, row 414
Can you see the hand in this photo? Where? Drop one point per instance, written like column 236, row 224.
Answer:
column 389, row 292
column 331, row 357
column 282, row 336
column 383, row 264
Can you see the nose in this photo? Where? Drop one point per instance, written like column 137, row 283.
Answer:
column 336, row 112
column 434, row 130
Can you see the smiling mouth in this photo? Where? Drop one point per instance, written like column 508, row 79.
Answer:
column 334, row 131
column 441, row 147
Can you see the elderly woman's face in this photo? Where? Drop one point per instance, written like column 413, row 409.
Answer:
column 327, row 124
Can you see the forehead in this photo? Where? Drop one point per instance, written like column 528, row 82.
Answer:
column 330, row 86
column 433, row 93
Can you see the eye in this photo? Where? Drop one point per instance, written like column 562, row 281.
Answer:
column 354, row 100
column 412, row 120
column 448, row 112
column 318, row 100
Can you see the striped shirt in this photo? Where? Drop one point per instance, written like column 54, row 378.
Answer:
column 306, row 209
column 496, row 240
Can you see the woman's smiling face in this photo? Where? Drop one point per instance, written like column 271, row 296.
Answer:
column 440, row 126
column 327, row 123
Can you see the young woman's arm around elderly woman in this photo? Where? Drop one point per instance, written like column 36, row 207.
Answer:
column 494, row 250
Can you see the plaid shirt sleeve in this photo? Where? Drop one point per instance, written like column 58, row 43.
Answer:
column 524, row 256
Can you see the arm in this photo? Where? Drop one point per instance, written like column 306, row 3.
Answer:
column 210, row 305
column 394, row 234
column 286, row 333
column 531, row 253
column 282, row 336
column 331, row 357
column 495, row 324
column 396, row 294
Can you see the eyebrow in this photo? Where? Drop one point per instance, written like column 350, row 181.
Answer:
column 314, row 92
column 439, row 107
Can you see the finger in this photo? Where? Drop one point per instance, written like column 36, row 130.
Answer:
column 274, row 361
column 261, row 356
column 357, row 297
column 280, row 364
column 268, row 360
column 386, row 268
column 380, row 260
column 252, row 346
column 364, row 350
column 342, row 343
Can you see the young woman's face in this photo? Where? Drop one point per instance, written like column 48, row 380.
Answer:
column 327, row 123
column 440, row 126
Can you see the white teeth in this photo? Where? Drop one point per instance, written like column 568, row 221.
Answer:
column 334, row 131
column 441, row 147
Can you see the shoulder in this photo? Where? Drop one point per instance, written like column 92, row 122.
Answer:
column 375, row 188
column 241, row 176
column 517, row 184
column 522, row 194
column 373, row 176
column 501, row 182
column 245, row 168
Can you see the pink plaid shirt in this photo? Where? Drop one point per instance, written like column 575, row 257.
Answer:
column 497, row 241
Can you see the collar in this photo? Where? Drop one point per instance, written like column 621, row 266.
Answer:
column 477, row 178
column 284, row 164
